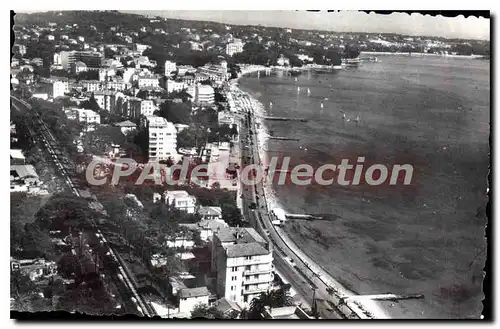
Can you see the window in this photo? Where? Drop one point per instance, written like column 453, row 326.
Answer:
column 233, row 288
column 234, row 269
column 233, row 278
column 247, row 268
column 248, row 257
column 255, row 277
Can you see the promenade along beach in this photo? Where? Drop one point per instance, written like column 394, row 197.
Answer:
column 428, row 237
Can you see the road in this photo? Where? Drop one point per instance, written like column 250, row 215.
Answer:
column 124, row 279
column 305, row 276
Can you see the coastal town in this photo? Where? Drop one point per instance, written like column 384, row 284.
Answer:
column 98, row 87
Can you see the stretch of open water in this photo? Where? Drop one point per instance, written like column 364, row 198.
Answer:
column 428, row 237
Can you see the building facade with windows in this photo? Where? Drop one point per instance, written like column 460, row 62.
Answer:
column 234, row 47
column 162, row 138
column 243, row 261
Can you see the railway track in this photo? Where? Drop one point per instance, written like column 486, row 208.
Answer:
column 43, row 135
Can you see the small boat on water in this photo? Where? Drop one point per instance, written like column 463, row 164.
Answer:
column 351, row 62
column 321, row 104
column 295, row 73
column 298, row 89
column 308, row 91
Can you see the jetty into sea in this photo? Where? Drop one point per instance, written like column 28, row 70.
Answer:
column 303, row 216
column 284, row 119
column 284, row 138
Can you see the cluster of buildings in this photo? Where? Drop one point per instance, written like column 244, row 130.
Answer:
column 23, row 176
column 237, row 263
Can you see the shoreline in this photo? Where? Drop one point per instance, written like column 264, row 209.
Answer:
column 367, row 306
column 388, row 53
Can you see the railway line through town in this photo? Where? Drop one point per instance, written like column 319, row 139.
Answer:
column 124, row 277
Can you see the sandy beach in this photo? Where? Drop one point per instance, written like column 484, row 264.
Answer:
column 363, row 307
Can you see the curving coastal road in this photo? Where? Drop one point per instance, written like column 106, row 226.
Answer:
column 306, row 277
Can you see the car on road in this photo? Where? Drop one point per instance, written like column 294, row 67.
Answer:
column 252, row 205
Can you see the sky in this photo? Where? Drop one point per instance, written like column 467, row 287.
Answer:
column 344, row 21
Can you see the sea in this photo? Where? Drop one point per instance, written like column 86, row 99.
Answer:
column 427, row 237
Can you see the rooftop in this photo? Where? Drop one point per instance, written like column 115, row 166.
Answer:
column 126, row 123
column 176, row 194
column 245, row 249
column 159, row 121
column 239, row 235
column 23, row 171
column 16, row 154
column 210, row 211
column 194, row 292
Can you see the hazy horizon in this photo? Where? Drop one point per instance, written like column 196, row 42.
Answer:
column 344, row 21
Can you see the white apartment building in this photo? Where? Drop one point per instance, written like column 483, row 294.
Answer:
column 234, row 47
column 116, row 85
column 190, row 297
column 148, row 107
column 175, row 86
column 59, row 87
column 86, row 116
column 243, row 262
column 202, row 94
column 148, row 81
column 162, row 138
column 138, row 107
column 107, row 99
column 170, row 67
column 91, row 85
column 179, row 200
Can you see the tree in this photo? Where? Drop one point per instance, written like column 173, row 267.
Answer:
column 188, row 138
column 109, row 53
column 143, row 94
column 274, row 299
column 176, row 112
column 88, row 75
column 101, row 139
column 91, row 104
column 204, row 311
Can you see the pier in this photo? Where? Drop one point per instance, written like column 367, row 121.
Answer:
column 302, row 216
column 284, row 119
column 389, row 297
column 285, row 138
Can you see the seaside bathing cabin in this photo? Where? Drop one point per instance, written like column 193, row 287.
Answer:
column 278, row 216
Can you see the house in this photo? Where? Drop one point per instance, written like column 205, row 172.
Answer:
column 210, row 213
column 206, row 227
column 126, row 126
column 180, row 200
column 180, row 242
column 286, row 313
column 227, row 308
column 17, row 157
column 190, row 297
column 24, row 174
column 34, row 268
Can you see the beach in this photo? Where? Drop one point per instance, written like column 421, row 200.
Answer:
column 414, row 240
column 362, row 308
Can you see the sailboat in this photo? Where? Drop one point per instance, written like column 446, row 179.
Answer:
column 270, row 104
column 298, row 89
column 321, row 104
column 308, row 91
column 295, row 79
